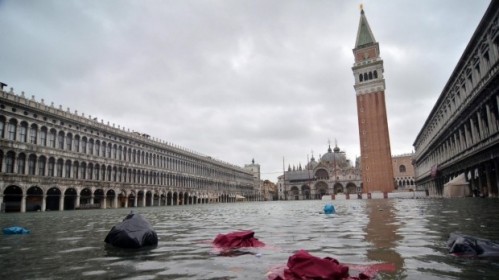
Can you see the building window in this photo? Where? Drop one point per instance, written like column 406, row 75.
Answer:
column 60, row 140
column 43, row 136
column 59, row 168
column 41, row 166
column 84, row 145
column 77, row 143
column 76, row 166
column 12, row 130
column 91, row 147
column 68, row 169
column 21, row 163
column 109, row 152
column 31, row 165
column 97, row 148
column 51, row 167
column 2, row 126
column 23, row 132
column 52, row 138
column 33, row 134
column 69, row 142
column 402, row 169
column 83, row 170
column 9, row 162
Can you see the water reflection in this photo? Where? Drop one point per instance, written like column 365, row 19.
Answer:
column 381, row 232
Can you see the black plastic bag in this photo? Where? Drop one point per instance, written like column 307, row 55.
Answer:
column 134, row 232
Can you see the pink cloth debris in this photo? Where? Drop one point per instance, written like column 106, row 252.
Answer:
column 237, row 239
column 304, row 266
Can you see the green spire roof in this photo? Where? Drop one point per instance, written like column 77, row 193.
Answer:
column 364, row 34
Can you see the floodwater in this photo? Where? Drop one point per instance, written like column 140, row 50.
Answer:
column 411, row 234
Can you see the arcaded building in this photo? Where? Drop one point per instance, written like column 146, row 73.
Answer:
column 461, row 134
column 54, row 159
column 403, row 172
column 371, row 111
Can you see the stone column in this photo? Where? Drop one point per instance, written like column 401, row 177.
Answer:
column 61, row 202
column 481, row 130
column 488, row 179
column 77, row 202
column 491, row 121
column 480, row 180
column 92, row 199
column 126, row 201
column 23, row 203
column 103, row 204
column 115, row 201
column 1, row 201
column 474, row 133
column 135, row 200
column 44, row 203
column 496, row 183
column 144, row 199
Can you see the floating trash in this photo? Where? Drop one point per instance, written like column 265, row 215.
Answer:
column 15, row 230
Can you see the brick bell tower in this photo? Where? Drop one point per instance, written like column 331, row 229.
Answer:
column 376, row 158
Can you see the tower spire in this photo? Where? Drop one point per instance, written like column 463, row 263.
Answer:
column 364, row 34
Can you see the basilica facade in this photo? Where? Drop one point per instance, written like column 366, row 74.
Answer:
column 332, row 174
column 54, row 159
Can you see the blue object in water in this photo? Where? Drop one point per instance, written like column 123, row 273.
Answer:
column 15, row 230
column 329, row 209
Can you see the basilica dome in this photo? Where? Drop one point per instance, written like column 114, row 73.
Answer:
column 312, row 164
column 335, row 157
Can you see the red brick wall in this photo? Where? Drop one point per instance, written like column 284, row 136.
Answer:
column 376, row 159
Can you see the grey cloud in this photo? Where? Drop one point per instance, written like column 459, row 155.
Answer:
column 234, row 80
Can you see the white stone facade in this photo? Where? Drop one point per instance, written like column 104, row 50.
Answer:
column 53, row 159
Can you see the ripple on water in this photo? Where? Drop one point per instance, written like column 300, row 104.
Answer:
column 80, row 249
column 94, row 273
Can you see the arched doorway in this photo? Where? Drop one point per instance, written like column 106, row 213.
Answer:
column 70, row 197
column 186, row 198
column 98, row 198
column 122, row 199
column 351, row 188
column 140, row 199
column 338, row 188
column 294, row 193
column 305, row 191
column 175, row 200
column 85, row 196
column 321, row 189
column 156, row 201
column 148, row 198
column 12, row 197
column 34, row 199
column 110, row 195
column 169, row 197
column 162, row 200
column 53, row 199
column 131, row 199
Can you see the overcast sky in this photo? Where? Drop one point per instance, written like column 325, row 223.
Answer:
column 235, row 80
